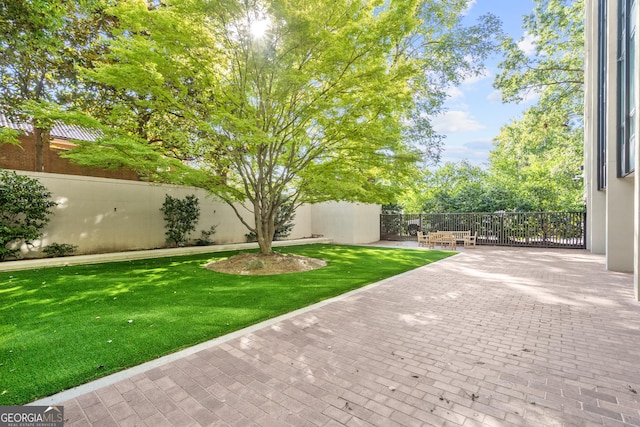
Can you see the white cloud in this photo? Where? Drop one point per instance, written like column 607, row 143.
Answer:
column 476, row 151
column 531, row 96
column 454, row 92
column 495, row 97
column 484, row 74
column 469, row 7
column 456, row 121
column 528, row 44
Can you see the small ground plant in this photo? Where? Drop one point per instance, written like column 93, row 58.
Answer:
column 59, row 249
column 205, row 237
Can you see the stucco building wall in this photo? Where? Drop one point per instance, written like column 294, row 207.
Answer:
column 613, row 212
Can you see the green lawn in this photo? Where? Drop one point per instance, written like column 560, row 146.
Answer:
column 64, row 326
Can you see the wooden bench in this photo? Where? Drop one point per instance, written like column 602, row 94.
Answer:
column 441, row 238
column 466, row 238
column 470, row 240
column 447, row 238
column 422, row 239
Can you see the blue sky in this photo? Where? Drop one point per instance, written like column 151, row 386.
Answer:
column 475, row 112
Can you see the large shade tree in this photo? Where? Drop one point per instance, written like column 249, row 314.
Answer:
column 42, row 43
column 266, row 103
column 539, row 154
column 463, row 187
column 534, row 165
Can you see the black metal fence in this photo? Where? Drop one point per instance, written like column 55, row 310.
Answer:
column 534, row 229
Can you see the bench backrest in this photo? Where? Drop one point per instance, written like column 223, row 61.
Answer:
column 461, row 234
column 434, row 236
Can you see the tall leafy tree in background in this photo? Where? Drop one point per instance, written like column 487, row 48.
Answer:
column 453, row 187
column 540, row 161
column 281, row 102
column 540, row 154
column 461, row 187
column 41, row 44
column 536, row 158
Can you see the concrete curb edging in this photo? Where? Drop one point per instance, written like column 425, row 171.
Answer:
column 72, row 393
column 30, row 264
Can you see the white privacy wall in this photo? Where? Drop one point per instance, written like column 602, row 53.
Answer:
column 107, row 215
column 347, row 222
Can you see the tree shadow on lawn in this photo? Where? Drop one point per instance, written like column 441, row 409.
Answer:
column 66, row 326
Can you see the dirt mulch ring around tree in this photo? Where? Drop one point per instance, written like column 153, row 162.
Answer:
column 275, row 263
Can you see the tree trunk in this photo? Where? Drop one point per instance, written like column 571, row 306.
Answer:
column 37, row 132
column 265, row 229
column 265, row 245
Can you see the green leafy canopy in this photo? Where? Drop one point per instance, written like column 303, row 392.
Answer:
column 539, row 155
column 331, row 102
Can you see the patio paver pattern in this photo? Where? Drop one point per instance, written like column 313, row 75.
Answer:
column 489, row 337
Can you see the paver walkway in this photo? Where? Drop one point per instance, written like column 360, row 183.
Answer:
column 490, row 337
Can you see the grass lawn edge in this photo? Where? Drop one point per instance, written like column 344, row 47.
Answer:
column 127, row 373
column 191, row 348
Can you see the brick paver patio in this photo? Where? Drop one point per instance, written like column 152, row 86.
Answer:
column 490, row 337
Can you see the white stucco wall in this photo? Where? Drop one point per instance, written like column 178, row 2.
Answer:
column 347, row 223
column 619, row 193
column 106, row 215
column 613, row 215
column 596, row 199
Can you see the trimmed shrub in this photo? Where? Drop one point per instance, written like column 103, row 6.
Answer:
column 283, row 226
column 25, row 207
column 181, row 217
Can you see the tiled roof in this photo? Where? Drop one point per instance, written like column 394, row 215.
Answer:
column 60, row 130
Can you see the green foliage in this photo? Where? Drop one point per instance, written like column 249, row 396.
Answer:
column 283, row 223
column 331, row 103
column 25, row 207
column 392, row 208
column 453, row 187
column 9, row 136
column 538, row 156
column 42, row 43
column 510, row 184
column 205, row 237
column 181, row 217
column 111, row 316
column 555, row 70
column 59, row 249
